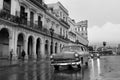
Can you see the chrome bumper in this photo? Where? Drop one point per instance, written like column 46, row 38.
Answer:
column 70, row 63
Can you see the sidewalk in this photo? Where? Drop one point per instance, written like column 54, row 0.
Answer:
column 13, row 63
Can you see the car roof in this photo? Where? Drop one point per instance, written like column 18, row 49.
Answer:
column 73, row 45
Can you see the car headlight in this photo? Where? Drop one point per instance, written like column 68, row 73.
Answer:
column 51, row 57
column 97, row 54
column 76, row 55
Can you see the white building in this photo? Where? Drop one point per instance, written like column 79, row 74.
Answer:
column 25, row 25
column 82, row 28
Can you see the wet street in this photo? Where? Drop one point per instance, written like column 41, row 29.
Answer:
column 105, row 68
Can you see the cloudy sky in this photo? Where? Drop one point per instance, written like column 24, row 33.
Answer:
column 103, row 17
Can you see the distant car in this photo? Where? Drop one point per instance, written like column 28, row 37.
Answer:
column 98, row 55
column 71, row 55
column 95, row 54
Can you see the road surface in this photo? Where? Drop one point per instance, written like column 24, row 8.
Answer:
column 105, row 68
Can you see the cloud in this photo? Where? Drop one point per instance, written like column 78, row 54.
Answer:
column 108, row 32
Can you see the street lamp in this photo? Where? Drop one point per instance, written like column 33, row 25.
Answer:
column 51, row 32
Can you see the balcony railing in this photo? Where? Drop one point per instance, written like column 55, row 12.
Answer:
column 6, row 16
column 65, row 38
column 22, row 22
column 39, row 3
column 65, row 22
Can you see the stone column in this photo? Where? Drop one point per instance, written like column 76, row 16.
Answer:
column 13, row 7
column 58, row 48
column 43, row 20
column 1, row 4
column 12, row 41
column 28, row 13
column 15, row 44
column 34, row 49
column 26, row 46
column 35, row 18
column 42, row 49
column 53, row 47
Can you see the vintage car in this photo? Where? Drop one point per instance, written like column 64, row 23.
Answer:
column 69, row 56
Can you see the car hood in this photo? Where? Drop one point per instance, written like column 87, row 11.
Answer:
column 64, row 55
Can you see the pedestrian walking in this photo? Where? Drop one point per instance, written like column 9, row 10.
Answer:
column 23, row 54
column 11, row 54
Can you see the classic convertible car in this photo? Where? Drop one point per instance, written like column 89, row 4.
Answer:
column 69, row 56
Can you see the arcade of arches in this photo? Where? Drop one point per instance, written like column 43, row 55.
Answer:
column 34, row 47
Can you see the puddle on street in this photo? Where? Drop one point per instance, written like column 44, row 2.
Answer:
column 46, row 72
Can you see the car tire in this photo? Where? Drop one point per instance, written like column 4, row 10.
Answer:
column 82, row 60
column 56, row 67
column 79, row 66
column 86, row 63
column 70, row 67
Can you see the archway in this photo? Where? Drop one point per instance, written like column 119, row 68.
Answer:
column 20, row 45
column 4, row 43
column 55, row 47
column 38, row 48
column 30, row 47
column 46, row 47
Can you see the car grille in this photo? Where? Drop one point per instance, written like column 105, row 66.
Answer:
column 64, row 60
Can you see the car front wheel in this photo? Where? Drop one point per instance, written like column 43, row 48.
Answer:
column 86, row 63
column 79, row 66
column 70, row 67
column 56, row 67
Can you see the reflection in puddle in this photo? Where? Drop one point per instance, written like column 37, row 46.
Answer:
column 95, row 69
column 98, row 65
column 45, row 72
column 99, row 68
column 92, row 75
column 67, row 75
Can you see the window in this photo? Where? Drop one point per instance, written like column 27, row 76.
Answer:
column 31, row 18
column 79, row 29
column 60, row 14
column 82, row 48
column 63, row 32
column 82, row 28
column 60, row 31
column 39, row 22
column 66, row 35
column 7, row 5
column 23, row 15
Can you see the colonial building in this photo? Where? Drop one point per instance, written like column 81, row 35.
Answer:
column 34, row 27
column 82, row 28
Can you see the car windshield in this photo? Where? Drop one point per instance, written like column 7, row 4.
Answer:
column 71, row 48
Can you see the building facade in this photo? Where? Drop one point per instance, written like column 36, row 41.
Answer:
column 32, row 26
column 82, row 28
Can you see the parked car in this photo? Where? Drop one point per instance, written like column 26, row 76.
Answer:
column 71, row 55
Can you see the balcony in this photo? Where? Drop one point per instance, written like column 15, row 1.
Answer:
column 65, row 23
column 65, row 38
column 39, row 3
column 4, row 15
